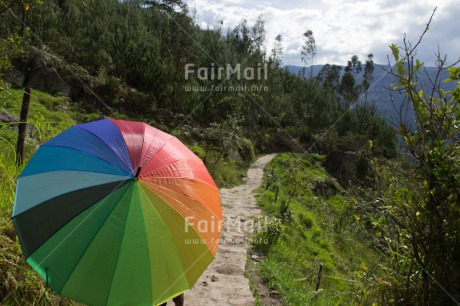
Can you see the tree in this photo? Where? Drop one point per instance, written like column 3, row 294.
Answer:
column 274, row 82
column 354, row 66
column 277, row 52
column 434, row 144
column 169, row 6
column 308, row 52
column 329, row 76
column 348, row 90
column 242, row 38
column 258, row 37
column 24, row 8
column 368, row 75
column 294, row 184
column 222, row 137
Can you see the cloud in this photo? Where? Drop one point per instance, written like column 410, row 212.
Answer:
column 342, row 28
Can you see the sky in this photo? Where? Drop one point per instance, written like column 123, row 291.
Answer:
column 343, row 28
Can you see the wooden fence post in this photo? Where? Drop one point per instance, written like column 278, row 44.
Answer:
column 320, row 274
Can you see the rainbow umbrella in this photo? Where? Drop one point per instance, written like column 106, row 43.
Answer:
column 116, row 212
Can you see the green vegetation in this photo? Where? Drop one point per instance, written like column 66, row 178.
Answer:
column 49, row 115
column 227, row 172
column 317, row 228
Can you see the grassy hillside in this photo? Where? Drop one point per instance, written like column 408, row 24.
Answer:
column 317, row 228
column 48, row 115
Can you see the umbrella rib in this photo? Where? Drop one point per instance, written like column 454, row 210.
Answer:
column 139, row 165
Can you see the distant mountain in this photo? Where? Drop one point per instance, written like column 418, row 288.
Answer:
column 379, row 93
column 298, row 69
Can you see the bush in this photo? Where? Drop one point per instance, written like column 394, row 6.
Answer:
column 198, row 151
column 266, row 232
column 246, row 149
column 306, row 221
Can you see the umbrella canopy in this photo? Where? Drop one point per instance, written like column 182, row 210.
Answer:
column 117, row 212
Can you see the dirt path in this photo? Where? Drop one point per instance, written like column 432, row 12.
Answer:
column 224, row 282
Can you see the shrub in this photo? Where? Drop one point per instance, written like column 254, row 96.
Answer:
column 246, row 149
column 306, row 221
column 266, row 232
column 198, row 151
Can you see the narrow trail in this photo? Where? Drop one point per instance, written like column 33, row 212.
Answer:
column 224, row 283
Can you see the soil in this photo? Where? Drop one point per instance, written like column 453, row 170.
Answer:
column 225, row 281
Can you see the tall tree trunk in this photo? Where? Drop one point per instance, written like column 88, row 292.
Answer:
column 22, row 127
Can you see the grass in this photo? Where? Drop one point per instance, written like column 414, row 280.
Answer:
column 48, row 116
column 318, row 230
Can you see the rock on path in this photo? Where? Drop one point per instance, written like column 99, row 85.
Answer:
column 224, row 283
